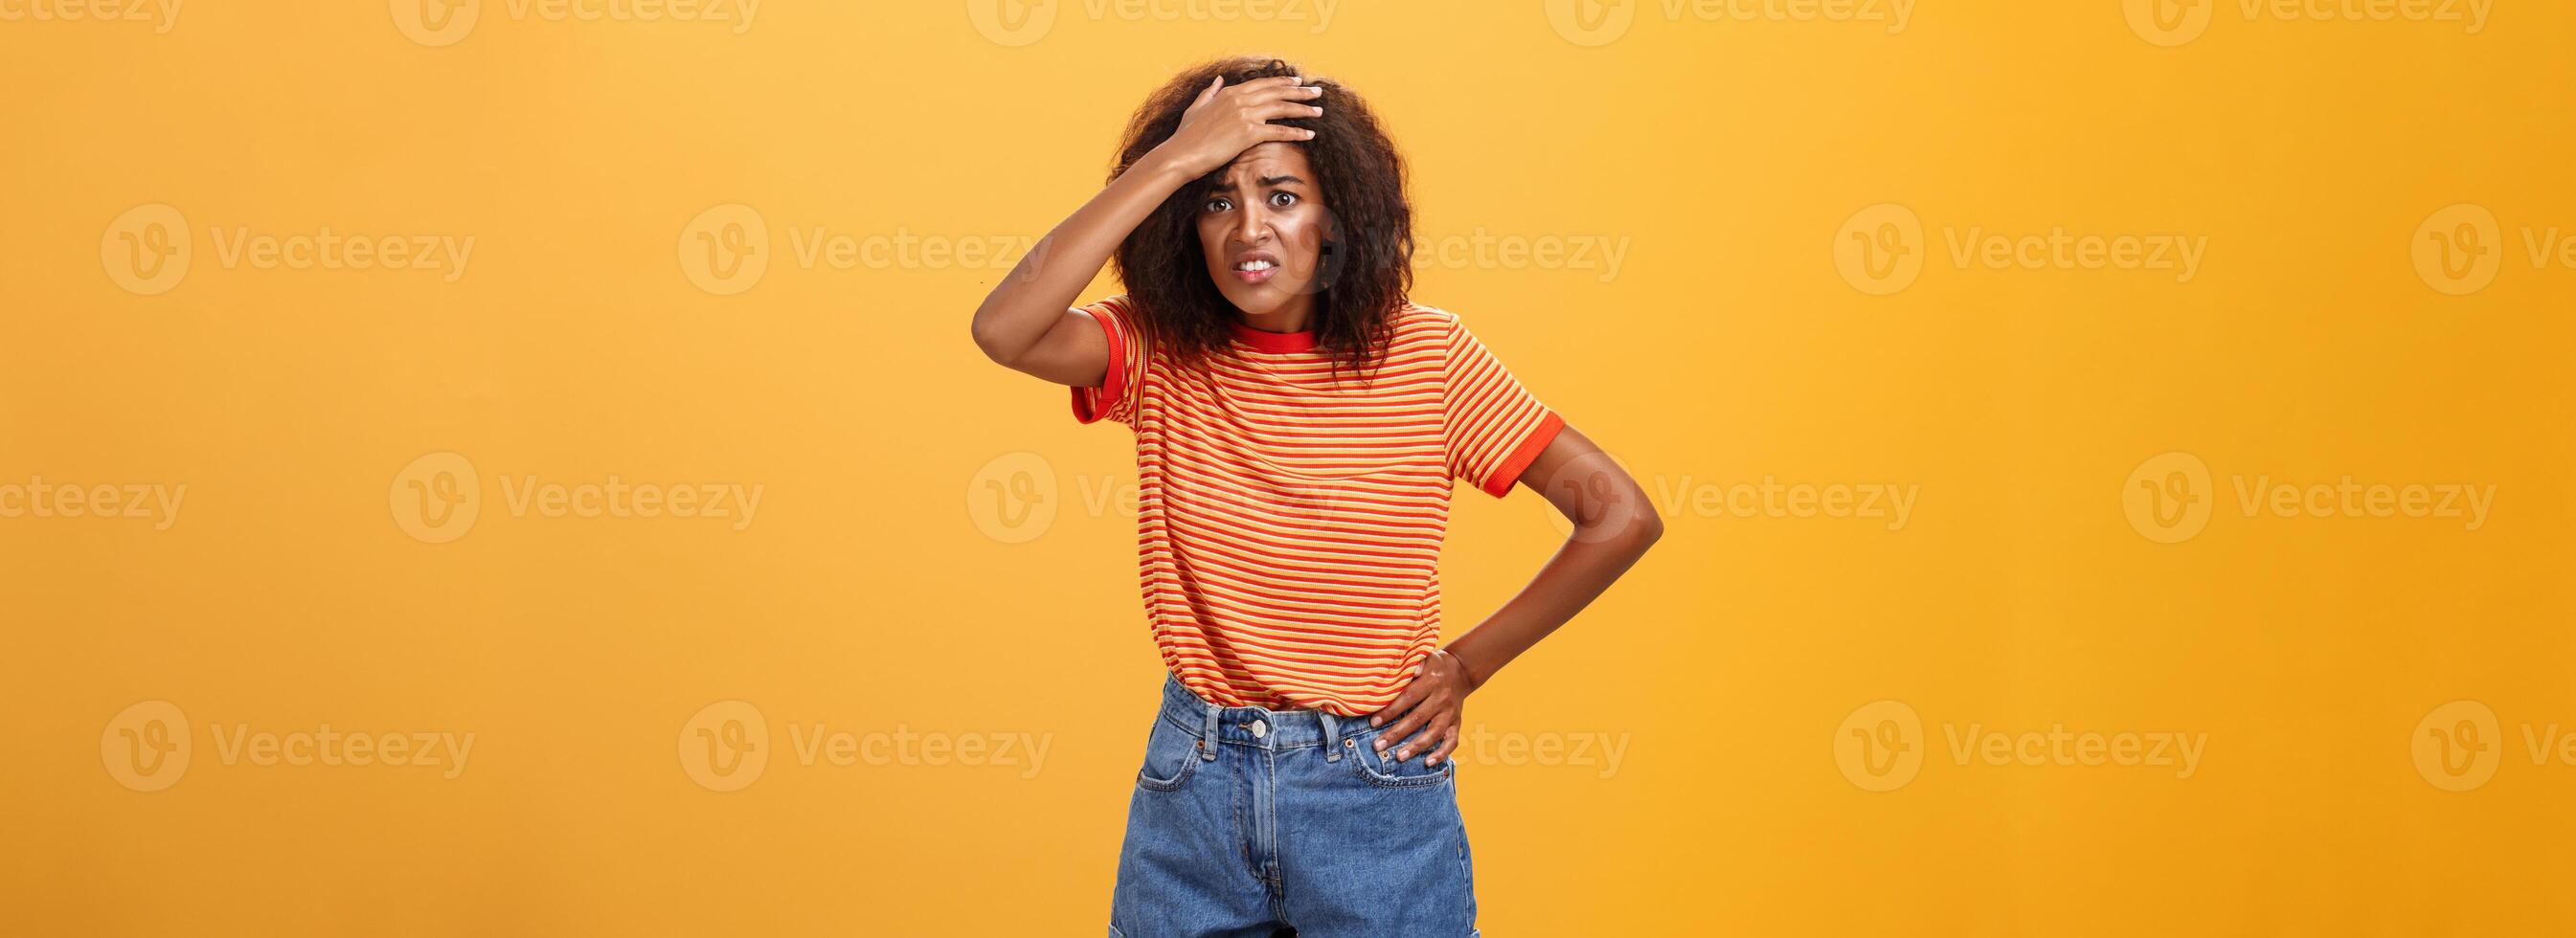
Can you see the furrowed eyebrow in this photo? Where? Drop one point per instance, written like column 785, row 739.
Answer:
column 1226, row 186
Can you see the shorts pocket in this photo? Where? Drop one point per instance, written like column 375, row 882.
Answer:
column 1171, row 754
column 1382, row 768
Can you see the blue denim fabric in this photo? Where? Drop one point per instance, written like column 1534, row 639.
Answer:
column 1247, row 821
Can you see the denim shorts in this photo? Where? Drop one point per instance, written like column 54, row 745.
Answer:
column 1250, row 822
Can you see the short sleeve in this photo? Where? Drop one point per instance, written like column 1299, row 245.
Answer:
column 1494, row 426
column 1123, row 385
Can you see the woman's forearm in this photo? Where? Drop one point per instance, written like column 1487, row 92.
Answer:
column 1029, row 301
column 1589, row 562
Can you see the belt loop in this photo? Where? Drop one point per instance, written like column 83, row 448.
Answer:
column 1208, row 735
column 1332, row 733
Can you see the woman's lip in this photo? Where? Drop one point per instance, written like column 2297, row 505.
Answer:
column 1255, row 276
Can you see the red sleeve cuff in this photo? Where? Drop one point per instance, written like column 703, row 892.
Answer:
column 1090, row 404
column 1500, row 483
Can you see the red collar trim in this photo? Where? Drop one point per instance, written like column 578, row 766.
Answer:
column 1272, row 341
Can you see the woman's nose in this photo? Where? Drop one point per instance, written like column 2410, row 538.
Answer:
column 1251, row 225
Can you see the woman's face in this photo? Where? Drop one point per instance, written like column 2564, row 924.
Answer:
column 1262, row 228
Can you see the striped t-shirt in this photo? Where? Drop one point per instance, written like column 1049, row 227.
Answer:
column 1290, row 523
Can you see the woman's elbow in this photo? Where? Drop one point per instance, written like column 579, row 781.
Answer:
column 1627, row 525
column 994, row 344
column 1644, row 530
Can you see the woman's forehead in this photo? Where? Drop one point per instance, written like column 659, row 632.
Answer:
column 1271, row 158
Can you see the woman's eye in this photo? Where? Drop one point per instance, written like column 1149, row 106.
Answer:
column 1282, row 199
column 1217, row 205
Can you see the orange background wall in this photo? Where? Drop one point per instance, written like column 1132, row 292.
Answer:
column 2077, row 686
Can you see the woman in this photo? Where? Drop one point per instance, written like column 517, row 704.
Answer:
column 1298, row 425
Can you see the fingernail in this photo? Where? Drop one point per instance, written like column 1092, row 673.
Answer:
column 1381, row 746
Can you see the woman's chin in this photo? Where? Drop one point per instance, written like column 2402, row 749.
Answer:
column 1260, row 299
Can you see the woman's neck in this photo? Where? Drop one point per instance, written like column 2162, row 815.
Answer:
column 1298, row 316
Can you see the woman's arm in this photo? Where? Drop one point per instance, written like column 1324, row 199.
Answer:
column 1613, row 526
column 1027, row 322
